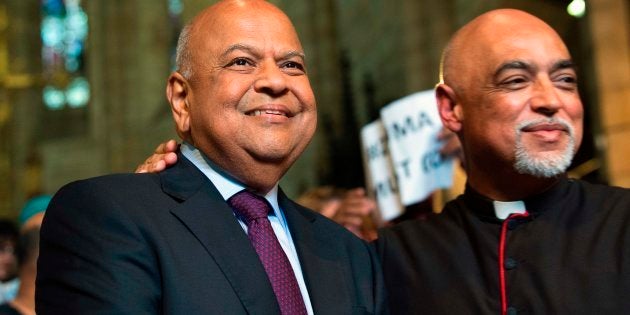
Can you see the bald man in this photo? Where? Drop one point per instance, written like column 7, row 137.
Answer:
column 522, row 239
column 213, row 234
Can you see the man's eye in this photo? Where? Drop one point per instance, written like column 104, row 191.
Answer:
column 567, row 82
column 293, row 68
column 293, row 65
column 514, row 82
column 240, row 62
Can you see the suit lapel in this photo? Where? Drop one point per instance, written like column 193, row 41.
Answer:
column 319, row 258
column 211, row 221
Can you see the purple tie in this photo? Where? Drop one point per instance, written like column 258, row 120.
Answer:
column 254, row 209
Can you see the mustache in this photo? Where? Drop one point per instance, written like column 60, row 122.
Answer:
column 530, row 123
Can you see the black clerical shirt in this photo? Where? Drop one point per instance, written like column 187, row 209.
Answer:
column 570, row 254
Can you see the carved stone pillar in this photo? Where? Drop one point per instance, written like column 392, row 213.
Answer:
column 20, row 103
column 610, row 28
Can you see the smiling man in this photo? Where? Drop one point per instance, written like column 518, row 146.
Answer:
column 213, row 234
column 522, row 239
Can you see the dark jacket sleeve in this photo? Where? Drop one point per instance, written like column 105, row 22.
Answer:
column 380, row 293
column 93, row 257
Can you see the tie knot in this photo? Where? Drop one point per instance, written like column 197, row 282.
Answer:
column 249, row 206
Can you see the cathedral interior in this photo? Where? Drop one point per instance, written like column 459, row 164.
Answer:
column 82, row 82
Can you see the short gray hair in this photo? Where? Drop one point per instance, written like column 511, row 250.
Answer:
column 183, row 58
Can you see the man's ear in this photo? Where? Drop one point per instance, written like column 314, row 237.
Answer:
column 449, row 107
column 177, row 93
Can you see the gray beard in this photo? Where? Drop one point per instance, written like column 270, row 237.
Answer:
column 547, row 164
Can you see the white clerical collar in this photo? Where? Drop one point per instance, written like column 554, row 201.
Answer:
column 503, row 209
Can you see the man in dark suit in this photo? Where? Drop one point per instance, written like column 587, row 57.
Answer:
column 177, row 242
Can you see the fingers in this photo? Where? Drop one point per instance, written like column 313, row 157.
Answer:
column 169, row 159
column 159, row 166
column 153, row 164
column 356, row 231
column 356, row 203
column 351, row 221
column 163, row 157
column 330, row 208
column 352, row 211
column 161, row 149
column 171, row 146
column 166, row 147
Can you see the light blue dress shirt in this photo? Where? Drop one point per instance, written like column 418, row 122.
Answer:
column 228, row 186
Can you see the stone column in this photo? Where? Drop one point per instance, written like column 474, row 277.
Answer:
column 21, row 103
column 129, row 62
column 610, row 28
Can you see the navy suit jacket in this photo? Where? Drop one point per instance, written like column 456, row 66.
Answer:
column 168, row 243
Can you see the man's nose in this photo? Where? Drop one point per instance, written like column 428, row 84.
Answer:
column 545, row 98
column 271, row 79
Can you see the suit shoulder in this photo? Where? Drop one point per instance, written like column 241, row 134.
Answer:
column 598, row 197
column 326, row 226
column 445, row 229
column 433, row 224
column 115, row 180
column 111, row 182
column 326, row 222
column 105, row 192
column 602, row 190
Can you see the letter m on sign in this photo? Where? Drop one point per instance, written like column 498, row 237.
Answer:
column 401, row 129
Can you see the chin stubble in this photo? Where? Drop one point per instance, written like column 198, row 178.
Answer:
column 543, row 164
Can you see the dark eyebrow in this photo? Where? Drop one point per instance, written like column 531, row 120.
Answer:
column 294, row 53
column 253, row 51
column 564, row 64
column 516, row 64
column 243, row 47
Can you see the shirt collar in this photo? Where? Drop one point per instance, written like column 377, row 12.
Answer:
column 225, row 184
column 493, row 210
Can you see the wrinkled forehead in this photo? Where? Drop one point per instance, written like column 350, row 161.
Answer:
column 536, row 48
column 486, row 45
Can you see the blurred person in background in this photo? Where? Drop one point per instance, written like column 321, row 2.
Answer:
column 351, row 208
column 27, row 251
column 9, row 281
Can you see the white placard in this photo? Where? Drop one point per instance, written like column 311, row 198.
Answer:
column 412, row 125
column 379, row 171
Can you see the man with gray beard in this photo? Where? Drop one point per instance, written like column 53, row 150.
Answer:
column 549, row 164
column 523, row 238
